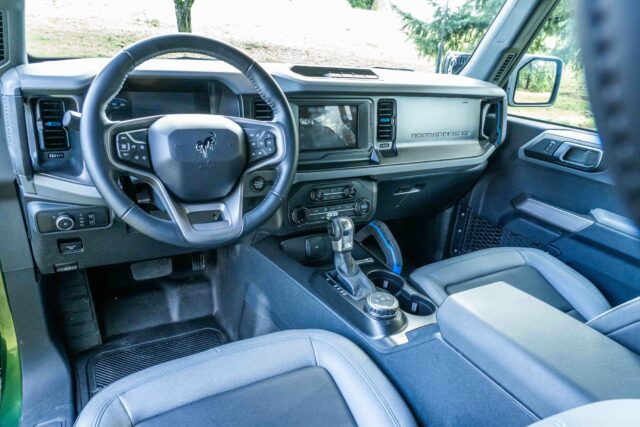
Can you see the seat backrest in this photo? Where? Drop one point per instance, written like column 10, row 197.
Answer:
column 621, row 323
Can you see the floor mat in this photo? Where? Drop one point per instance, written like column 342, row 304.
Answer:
column 107, row 364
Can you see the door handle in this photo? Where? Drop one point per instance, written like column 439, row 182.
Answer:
column 578, row 156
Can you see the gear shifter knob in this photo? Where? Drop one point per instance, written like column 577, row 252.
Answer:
column 353, row 280
column 341, row 231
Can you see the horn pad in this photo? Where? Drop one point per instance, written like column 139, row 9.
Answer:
column 198, row 157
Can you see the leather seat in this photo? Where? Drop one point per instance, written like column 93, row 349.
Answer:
column 530, row 270
column 310, row 378
column 540, row 275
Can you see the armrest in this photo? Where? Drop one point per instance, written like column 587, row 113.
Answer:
column 546, row 359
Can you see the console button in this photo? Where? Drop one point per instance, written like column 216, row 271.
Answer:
column 382, row 305
column 258, row 183
column 362, row 207
column 65, row 267
column 66, row 246
column 65, row 222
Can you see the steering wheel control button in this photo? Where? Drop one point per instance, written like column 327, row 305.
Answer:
column 132, row 148
column 258, row 183
column 382, row 305
column 65, row 222
column 262, row 144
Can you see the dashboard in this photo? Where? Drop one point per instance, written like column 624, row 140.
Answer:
column 377, row 143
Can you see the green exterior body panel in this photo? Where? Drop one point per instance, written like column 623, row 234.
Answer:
column 11, row 381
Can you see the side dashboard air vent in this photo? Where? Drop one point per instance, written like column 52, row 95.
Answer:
column 261, row 111
column 386, row 130
column 506, row 63
column 52, row 135
column 2, row 50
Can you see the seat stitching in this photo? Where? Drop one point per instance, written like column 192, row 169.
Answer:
column 367, row 380
column 613, row 310
column 615, row 331
column 315, row 356
column 126, row 410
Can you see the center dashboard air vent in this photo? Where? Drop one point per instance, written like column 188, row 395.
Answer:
column 260, row 110
column 386, row 123
column 51, row 133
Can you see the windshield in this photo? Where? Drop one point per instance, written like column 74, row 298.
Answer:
column 414, row 34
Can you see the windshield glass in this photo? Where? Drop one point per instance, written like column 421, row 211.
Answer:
column 414, row 34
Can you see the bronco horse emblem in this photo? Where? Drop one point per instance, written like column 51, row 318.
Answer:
column 203, row 146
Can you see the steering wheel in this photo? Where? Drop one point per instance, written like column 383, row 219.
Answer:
column 195, row 163
column 610, row 40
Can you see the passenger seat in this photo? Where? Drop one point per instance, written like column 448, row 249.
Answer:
column 542, row 276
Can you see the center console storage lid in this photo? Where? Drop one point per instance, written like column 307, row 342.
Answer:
column 546, row 359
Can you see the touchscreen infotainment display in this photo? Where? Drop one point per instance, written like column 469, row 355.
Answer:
column 328, row 127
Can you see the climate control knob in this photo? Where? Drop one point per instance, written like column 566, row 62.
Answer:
column 65, row 222
column 349, row 192
column 316, row 195
column 299, row 215
column 362, row 207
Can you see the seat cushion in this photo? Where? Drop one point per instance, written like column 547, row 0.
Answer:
column 287, row 378
column 531, row 270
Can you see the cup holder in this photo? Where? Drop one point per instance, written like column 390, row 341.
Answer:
column 418, row 306
column 387, row 280
column 410, row 301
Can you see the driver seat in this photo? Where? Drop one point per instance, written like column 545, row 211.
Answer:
column 306, row 377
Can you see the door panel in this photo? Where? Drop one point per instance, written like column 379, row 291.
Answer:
column 571, row 208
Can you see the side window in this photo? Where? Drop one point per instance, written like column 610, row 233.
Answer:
column 553, row 53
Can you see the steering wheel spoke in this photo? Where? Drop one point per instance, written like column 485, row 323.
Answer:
column 201, row 223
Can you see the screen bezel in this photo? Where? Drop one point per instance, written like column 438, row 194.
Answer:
column 364, row 134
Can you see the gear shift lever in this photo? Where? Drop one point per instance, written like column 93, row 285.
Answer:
column 351, row 277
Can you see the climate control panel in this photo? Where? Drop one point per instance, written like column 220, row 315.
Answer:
column 314, row 203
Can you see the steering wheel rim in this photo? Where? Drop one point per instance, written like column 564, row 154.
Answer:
column 97, row 134
column 610, row 39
